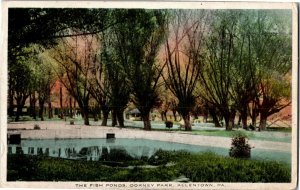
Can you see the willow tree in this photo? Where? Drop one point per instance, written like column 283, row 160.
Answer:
column 75, row 57
column 247, row 60
column 45, row 80
column 20, row 79
column 134, row 45
column 221, row 55
column 244, row 71
column 116, row 89
column 272, row 46
column 184, row 51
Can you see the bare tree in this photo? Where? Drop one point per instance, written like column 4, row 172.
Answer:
column 183, row 59
column 75, row 57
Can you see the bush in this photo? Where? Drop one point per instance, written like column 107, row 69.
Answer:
column 169, row 124
column 36, row 127
column 240, row 147
column 160, row 157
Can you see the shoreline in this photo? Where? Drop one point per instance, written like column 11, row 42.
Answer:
column 61, row 130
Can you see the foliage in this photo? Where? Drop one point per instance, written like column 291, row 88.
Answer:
column 36, row 127
column 212, row 168
column 169, row 124
column 183, row 54
column 240, row 148
column 130, row 51
column 234, row 60
column 205, row 167
column 242, row 57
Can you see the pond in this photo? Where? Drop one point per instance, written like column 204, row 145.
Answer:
column 93, row 149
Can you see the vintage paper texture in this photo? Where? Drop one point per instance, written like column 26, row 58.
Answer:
column 148, row 5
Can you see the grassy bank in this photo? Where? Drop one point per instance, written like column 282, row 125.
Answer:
column 163, row 166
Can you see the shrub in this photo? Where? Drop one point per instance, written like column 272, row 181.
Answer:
column 160, row 157
column 240, row 147
column 36, row 127
column 169, row 124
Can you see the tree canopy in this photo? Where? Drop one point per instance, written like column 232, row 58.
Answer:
column 227, row 62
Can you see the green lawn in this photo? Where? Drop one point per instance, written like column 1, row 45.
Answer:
column 162, row 166
column 254, row 135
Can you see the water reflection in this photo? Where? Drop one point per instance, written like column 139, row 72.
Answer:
column 69, row 150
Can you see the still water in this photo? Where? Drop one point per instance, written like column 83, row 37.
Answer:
column 92, row 149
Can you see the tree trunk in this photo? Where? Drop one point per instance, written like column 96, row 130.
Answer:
column 105, row 116
column 71, row 109
column 113, row 118
column 100, row 116
column 244, row 119
column 10, row 99
column 253, row 121
column 61, row 102
column 263, row 121
column 231, row 119
column 162, row 116
column 213, row 114
column 255, row 112
column 32, row 101
column 195, row 115
column 146, row 120
column 226, row 116
column 165, row 115
column 41, row 110
column 174, row 114
column 20, row 105
column 187, row 123
column 205, row 115
column 11, row 107
column 120, row 118
column 19, row 112
column 85, row 114
column 50, row 115
column 227, row 123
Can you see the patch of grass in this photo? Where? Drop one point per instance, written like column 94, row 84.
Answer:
column 212, row 168
column 253, row 135
column 280, row 129
column 205, row 167
column 221, row 133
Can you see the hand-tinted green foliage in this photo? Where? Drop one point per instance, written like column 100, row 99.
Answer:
column 206, row 167
column 240, row 147
column 212, row 168
column 44, row 26
column 129, row 55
